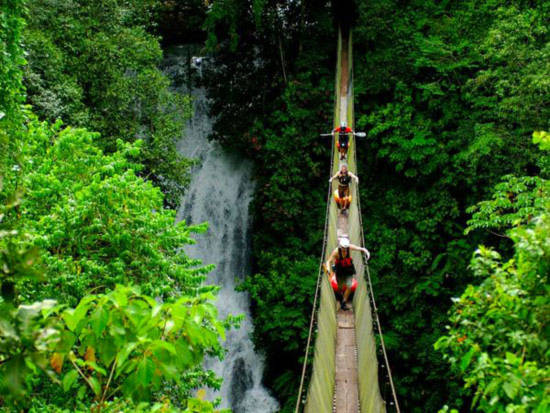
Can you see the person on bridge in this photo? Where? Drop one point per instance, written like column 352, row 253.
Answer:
column 342, row 195
column 343, row 267
column 342, row 143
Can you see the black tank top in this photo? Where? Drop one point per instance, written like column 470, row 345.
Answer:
column 344, row 179
column 343, row 139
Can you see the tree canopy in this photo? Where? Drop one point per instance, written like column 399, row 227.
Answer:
column 449, row 94
column 99, row 299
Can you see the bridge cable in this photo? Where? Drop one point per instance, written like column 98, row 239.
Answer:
column 318, row 287
column 375, row 308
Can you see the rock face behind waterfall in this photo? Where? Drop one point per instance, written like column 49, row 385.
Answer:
column 221, row 189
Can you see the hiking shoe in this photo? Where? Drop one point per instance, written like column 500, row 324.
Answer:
column 344, row 306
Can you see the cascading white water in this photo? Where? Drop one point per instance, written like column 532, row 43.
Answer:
column 221, row 189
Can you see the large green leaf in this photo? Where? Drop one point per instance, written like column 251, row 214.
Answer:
column 69, row 379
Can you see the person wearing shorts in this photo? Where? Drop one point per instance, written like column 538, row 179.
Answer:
column 343, row 267
column 344, row 177
column 343, row 132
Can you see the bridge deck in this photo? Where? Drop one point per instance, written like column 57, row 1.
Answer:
column 346, row 391
column 346, row 395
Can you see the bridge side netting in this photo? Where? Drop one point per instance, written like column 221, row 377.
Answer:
column 321, row 386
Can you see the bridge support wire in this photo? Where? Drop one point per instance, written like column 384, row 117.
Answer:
column 322, row 383
column 317, row 291
column 375, row 310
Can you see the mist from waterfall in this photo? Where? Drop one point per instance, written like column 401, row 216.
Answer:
column 220, row 192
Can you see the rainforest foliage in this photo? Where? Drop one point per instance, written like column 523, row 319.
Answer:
column 498, row 339
column 279, row 67
column 94, row 64
column 464, row 86
column 449, row 94
column 100, row 307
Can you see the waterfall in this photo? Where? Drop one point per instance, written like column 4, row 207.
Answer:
column 220, row 192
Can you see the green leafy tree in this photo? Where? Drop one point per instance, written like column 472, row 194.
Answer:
column 97, row 223
column 95, row 64
column 515, row 201
column 27, row 332
column 74, row 223
column 94, row 224
column 127, row 343
column 498, row 340
column 11, row 84
column 122, row 343
column 449, row 93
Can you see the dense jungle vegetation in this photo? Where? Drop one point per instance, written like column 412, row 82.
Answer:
column 101, row 310
column 454, row 97
column 450, row 94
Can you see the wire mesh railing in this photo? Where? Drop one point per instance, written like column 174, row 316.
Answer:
column 323, row 319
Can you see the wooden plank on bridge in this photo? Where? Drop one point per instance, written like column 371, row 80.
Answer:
column 346, row 395
column 346, row 390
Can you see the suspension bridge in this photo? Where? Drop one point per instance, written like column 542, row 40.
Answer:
column 350, row 372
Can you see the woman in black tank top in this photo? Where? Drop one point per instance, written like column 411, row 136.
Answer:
column 345, row 269
column 344, row 179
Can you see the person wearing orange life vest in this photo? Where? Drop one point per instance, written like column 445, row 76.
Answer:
column 342, row 143
column 343, row 266
column 342, row 195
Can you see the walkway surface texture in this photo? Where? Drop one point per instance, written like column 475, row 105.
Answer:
column 344, row 372
column 346, row 395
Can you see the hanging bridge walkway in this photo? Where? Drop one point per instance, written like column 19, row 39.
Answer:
column 346, row 373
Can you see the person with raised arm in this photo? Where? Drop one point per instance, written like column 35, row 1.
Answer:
column 342, row 143
column 342, row 195
column 343, row 267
